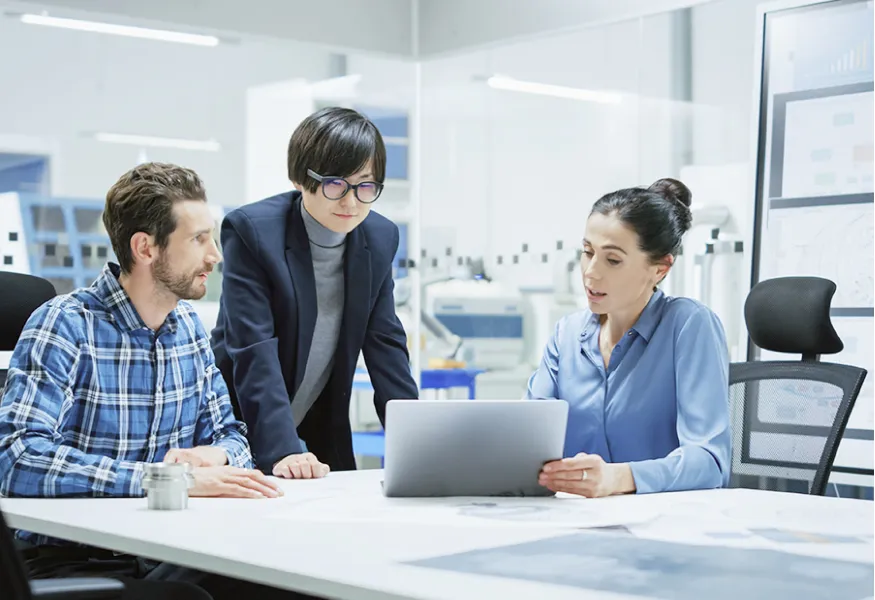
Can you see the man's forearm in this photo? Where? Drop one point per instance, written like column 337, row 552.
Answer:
column 43, row 469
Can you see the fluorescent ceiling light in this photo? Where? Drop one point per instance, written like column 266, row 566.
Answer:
column 125, row 30
column 158, row 142
column 500, row 82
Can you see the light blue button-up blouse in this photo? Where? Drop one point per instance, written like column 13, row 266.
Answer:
column 662, row 405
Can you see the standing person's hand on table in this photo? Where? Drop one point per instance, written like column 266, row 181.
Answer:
column 300, row 466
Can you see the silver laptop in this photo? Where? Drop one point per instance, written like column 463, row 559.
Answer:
column 471, row 447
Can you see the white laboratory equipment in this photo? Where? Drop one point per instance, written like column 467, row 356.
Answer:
column 488, row 316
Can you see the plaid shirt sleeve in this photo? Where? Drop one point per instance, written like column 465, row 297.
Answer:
column 216, row 423
column 33, row 458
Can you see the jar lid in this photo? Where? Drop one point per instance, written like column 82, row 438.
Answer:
column 167, row 470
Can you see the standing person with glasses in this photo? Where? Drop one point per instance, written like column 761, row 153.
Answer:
column 307, row 287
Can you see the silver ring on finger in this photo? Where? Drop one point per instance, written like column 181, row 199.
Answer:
column 584, row 475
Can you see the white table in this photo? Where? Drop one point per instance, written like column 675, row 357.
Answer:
column 339, row 538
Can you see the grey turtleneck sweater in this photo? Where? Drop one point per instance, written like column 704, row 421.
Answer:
column 327, row 248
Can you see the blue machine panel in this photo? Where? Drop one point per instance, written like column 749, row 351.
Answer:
column 483, row 326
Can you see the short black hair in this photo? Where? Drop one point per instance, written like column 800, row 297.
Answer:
column 659, row 214
column 142, row 200
column 335, row 141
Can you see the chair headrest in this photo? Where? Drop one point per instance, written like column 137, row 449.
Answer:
column 20, row 295
column 791, row 314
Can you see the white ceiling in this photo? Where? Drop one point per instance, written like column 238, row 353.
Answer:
column 400, row 28
column 378, row 26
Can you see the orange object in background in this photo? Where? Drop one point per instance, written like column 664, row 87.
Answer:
column 445, row 363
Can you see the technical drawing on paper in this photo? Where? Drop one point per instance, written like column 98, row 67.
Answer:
column 576, row 513
column 834, row 242
column 556, row 512
column 624, row 564
column 795, row 408
column 857, row 335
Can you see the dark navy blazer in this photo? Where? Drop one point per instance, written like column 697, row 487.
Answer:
column 265, row 328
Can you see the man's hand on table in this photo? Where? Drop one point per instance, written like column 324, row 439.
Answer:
column 200, row 456
column 300, row 466
column 232, row 482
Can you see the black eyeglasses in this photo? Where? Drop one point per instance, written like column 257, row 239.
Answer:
column 335, row 188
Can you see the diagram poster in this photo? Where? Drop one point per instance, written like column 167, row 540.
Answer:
column 814, row 196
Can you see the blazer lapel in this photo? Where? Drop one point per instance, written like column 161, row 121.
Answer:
column 300, row 263
column 357, row 292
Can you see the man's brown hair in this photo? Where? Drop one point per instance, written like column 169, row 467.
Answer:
column 142, row 200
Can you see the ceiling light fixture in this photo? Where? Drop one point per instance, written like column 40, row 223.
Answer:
column 500, row 82
column 124, row 30
column 158, row 142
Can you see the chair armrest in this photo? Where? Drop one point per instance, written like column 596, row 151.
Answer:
column 77, row 588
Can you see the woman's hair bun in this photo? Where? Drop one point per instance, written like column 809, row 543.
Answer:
column 679, row 195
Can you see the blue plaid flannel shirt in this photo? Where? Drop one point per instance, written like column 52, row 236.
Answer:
column 92, row 395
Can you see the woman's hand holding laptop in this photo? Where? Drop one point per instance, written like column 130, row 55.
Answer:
column 587, row 475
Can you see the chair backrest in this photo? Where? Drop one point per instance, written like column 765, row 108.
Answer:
column 13, row 576
column 789, row 416
column 792, row 416
column 20, row 295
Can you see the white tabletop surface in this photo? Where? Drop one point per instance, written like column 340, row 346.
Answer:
column 340, row 538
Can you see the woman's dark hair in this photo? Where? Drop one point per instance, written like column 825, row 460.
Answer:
column 335, row 142
column 660, row 215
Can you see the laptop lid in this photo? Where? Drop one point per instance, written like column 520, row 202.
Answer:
column 471, row 447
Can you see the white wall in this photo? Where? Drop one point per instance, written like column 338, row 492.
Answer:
column 501, row 168
column 724, row 77
column 63, row 84
column 724, row 42
column 273, row 111
column 506, row 168
column 454, row 25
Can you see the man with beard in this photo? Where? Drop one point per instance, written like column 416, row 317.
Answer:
column 120, row 374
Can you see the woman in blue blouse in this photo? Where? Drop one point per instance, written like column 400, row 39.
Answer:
column 645, row 375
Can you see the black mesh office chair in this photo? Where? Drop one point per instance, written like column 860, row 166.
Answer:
column 20, row 295
column 789, row 416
